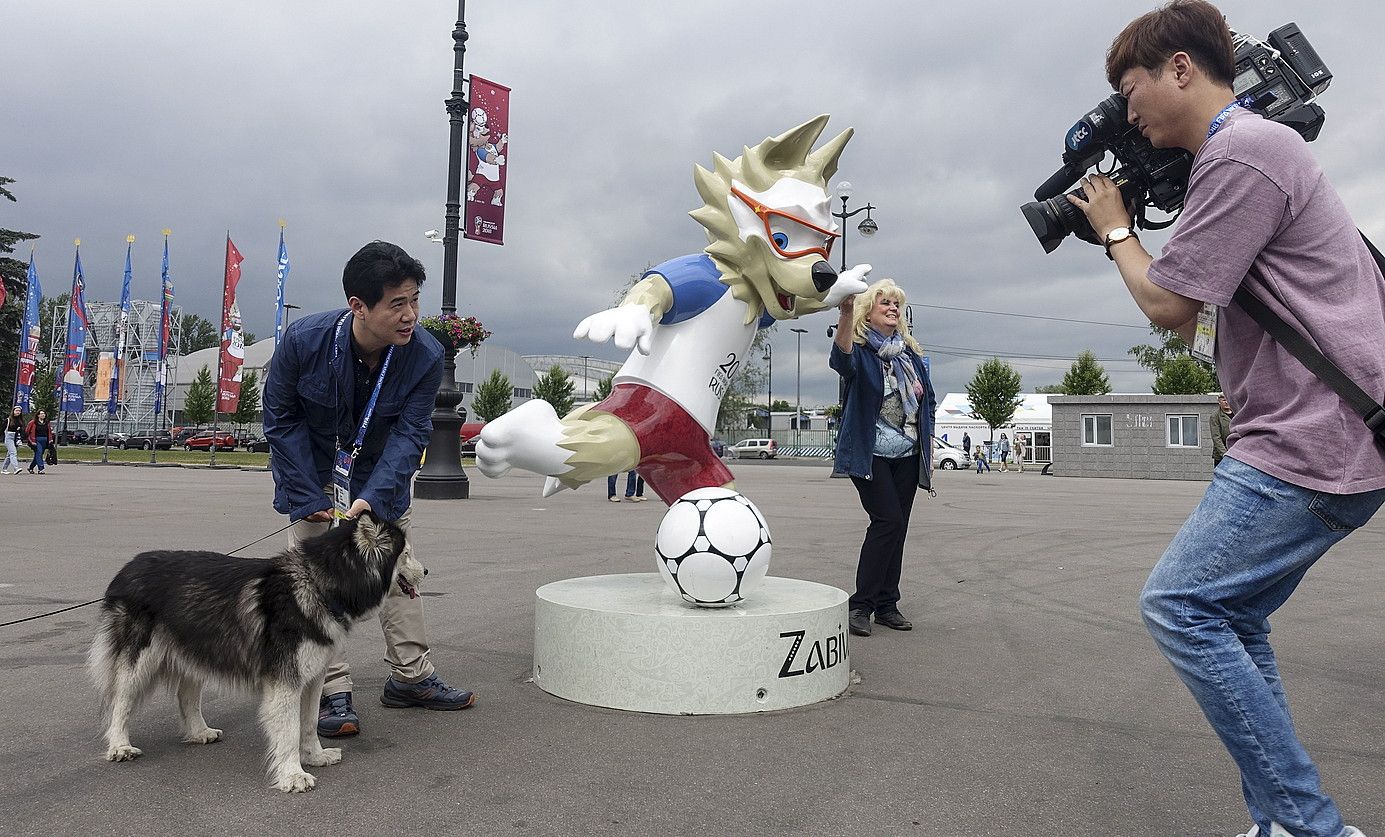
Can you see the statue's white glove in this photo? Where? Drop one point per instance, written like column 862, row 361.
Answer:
column 630, row 325
column 849, row 282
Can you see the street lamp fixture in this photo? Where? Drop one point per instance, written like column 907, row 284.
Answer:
column 866, row 228
column 798, row 391
column 442, row 477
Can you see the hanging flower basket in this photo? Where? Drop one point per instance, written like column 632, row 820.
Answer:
column 455, row 332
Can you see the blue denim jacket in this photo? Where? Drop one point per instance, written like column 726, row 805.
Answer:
column 307, row 408
column 865, row 394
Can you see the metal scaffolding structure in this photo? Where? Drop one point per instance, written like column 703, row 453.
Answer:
column 135, row 410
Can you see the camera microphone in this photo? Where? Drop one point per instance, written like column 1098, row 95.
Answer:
column 1058, row 183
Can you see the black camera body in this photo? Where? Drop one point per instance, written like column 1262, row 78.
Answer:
column 1277, row 78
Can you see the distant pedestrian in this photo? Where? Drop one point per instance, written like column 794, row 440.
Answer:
column 1004, row 453
column 980, row 456
column 966, row 442
column 39, row 432
column 634, row 487
column 14, row 425
column 1019, row 453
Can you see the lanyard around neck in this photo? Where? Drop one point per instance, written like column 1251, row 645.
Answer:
column 374, row 395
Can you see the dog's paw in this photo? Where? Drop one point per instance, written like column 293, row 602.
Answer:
column 204, row 736
column 123, row 752
column 298, row 782
column 321, row 757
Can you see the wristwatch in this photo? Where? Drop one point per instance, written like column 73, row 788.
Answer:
column 1116, row 236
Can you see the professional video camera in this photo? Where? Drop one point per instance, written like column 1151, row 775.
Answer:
column 1277, row 78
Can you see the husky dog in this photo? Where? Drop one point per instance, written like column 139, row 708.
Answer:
column 690, row 322
column 267, row 625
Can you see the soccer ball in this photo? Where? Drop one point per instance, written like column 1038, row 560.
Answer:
column 713, row 547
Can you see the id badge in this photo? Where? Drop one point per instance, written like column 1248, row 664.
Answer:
column 1205, row 339
column 341, row 482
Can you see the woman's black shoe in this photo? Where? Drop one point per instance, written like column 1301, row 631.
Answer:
column 894, row 619
column 859, row 623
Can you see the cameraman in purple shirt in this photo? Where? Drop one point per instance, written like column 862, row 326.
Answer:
column 1258, row 213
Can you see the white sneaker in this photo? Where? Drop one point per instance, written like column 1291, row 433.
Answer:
column 1277, row 830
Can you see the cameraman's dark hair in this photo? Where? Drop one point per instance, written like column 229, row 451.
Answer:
column 376, row 266
column 1192, row 26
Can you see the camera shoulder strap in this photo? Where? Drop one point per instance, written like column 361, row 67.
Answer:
column 1371, row 411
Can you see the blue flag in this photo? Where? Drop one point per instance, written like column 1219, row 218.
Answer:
column 279, row 295
column 28, row 340
column 120, row 325
column 74, row 375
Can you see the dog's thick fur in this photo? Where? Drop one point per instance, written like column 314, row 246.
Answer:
column 267, row 625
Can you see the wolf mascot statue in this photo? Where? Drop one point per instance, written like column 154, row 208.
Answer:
column 690, row 322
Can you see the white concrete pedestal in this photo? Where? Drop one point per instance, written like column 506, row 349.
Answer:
column 627, row 642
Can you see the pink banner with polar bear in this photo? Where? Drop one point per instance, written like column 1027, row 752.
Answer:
column 487, row 140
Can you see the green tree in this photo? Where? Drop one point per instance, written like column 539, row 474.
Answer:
column 13, row 273
column 43, row 397
column 780, row 406
column 994, row 393
column 1086, row 377
column 198, row 333
column 249, row 407
column 1184, row 375
column 1051, row 389
column 200, row 400
column 494, row 397
column 603, row 387
column 1170, row 346
column 555, row 386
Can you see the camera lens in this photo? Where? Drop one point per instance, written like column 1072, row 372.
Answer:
column 1055, row 219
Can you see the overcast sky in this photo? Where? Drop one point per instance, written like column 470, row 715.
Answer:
column 206, row 117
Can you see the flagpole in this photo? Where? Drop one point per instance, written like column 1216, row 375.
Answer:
column 160, row 370
column 442, row 476
column 220, row 352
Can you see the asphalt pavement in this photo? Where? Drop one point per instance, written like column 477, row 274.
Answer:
column 1028, row 700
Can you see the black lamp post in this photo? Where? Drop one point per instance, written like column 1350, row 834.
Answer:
column 798, row 394
column 867, row 227
column 769, row 389
column 442, row 477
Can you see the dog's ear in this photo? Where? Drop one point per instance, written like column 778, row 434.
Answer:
column 368, row 532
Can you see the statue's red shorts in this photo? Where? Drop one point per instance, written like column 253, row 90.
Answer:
column 675, row 454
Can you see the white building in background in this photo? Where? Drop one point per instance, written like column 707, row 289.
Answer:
column 1033, row 422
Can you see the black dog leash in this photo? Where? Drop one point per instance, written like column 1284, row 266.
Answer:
column 94, row 601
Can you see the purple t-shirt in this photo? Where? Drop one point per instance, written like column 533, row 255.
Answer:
column 1258, row 201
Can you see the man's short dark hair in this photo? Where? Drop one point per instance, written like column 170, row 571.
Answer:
column 376, row 266
column 1192, row 26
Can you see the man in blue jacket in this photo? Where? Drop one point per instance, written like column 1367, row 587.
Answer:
column 348, row 408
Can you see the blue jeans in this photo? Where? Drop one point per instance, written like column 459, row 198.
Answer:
column 40, row 446
column 634, row 485
column 1207, row 604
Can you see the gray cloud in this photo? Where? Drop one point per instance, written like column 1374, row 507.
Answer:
column 205, row 118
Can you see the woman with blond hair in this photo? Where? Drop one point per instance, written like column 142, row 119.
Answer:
column 884, row 442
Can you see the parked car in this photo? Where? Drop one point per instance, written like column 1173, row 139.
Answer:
column 204, row 441
column 73, row 437
column 470, row 430
column 256, row 444
column 115, row 439
column 182, row 434
column 718, row 447
column 949, row 458
column 753, row 448
column 161, row 439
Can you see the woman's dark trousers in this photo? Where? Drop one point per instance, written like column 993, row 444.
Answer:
column 888, row 497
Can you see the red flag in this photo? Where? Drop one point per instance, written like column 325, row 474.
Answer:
column 488, row 146
column 232, row 336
